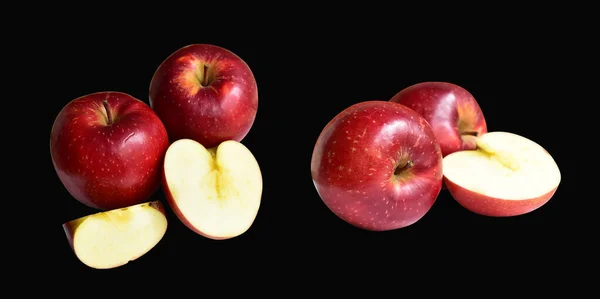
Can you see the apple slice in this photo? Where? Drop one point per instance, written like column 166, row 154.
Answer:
column 215, row 192
column 507, row 175
column 112, row 238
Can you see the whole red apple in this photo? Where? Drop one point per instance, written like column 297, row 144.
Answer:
column 377, row 166
column 107, row 149
column 451, row 110
column 205, row 93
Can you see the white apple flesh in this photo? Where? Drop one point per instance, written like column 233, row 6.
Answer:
column 112, row 238
column 507, row 175
column 215, row 192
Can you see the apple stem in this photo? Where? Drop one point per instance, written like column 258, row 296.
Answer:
column 109, row 119
column 205, row 79
column 404, row 167
column 470, row 133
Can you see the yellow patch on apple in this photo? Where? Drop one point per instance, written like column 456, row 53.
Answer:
column 193, row 81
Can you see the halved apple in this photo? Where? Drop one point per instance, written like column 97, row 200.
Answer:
column 112, row 238
column 507, row 175
column 215, row 192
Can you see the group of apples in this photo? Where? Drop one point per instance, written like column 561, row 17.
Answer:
column 112, row 152
column 380, row 165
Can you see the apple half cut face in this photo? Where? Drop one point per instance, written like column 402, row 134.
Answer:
column 113, row 238
column 215, row 192
column 507, row 175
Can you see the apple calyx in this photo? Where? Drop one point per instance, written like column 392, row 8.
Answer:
column 403, row 167
column 109, row 117
column 505, row 159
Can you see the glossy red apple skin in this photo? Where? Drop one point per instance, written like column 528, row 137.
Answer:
column 354, row 161
column 108, row 166
column 495, row 207
column 451, row 110
column 224, row 110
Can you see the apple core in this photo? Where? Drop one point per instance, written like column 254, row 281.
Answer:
column 216, row 192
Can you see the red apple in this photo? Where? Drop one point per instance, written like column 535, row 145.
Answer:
column 112, row 238
column 216, row 192
column 377, row 166
column 107, row 149
column 205, row 93
column 507, row 175
column 451, row 110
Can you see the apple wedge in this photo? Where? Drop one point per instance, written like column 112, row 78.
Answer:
column 507, row 175
column 215, row 192
column 112, row 238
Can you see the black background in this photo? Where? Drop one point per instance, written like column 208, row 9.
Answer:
column 305, row 77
